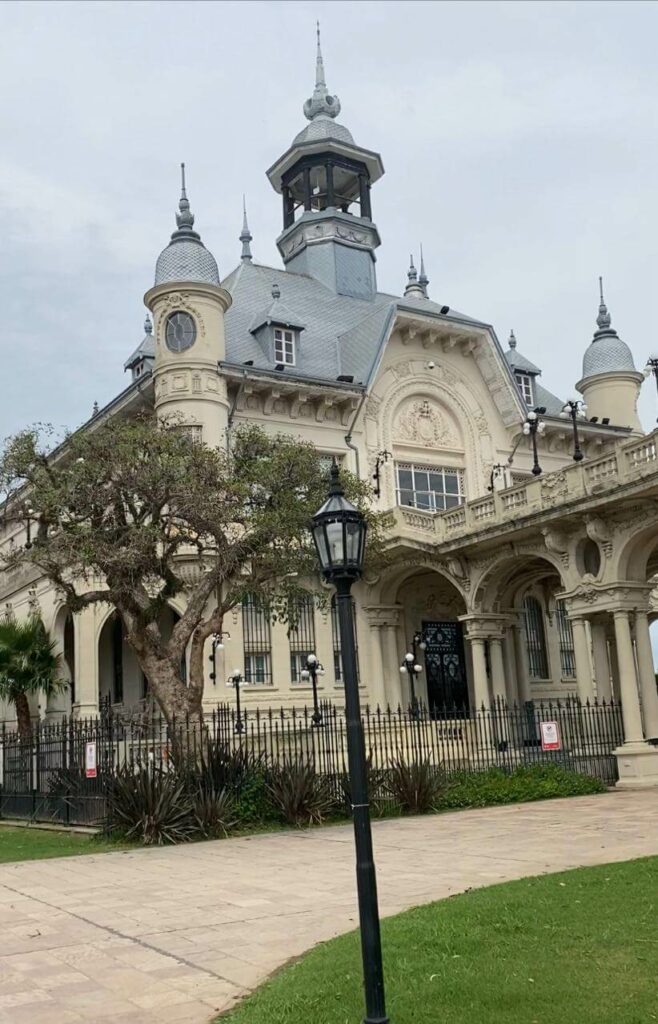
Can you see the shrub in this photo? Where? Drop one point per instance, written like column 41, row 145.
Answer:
column 526, row 782
column 222, row 767
column 150, row 806
column 214, row 812
column 301, row 796
column 416, row 786
column 254, row 804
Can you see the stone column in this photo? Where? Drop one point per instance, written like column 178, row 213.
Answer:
column 647, row 676
column 395, row 693
column 480, row 681
column 376, row 687
column 499, row 709
column 614, row 669
column 86, row 662
column 601, row 662
column 581, row 654
column 522, row 671
column 630, row 704
column 509, row 656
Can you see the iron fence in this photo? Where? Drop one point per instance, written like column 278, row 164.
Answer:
column 53, row 775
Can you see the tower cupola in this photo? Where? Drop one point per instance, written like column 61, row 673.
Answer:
column 324, row 179
column 186, row 257
column 610, row 383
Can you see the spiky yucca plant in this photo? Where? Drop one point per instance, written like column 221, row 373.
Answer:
column 214, row 812
column 416, row 786
column 150, row 806
column 301, row 796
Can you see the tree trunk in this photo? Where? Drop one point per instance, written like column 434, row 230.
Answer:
column 23, row 716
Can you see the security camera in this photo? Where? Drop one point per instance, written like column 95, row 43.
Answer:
column 431, row 365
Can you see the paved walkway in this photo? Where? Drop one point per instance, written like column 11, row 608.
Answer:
column 175, row 934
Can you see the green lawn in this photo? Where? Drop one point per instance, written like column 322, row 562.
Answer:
column 34, row 844
column 575, row 948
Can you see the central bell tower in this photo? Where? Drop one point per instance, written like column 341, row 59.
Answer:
column 324, row 179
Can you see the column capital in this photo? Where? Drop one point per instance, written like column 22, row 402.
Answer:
column 590, row 598
column 486, row 626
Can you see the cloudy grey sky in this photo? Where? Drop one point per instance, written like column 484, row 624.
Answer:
column 519, row 141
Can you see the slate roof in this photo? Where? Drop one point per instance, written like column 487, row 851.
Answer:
column 342, row 335
column 145, row 350
column 518, row 362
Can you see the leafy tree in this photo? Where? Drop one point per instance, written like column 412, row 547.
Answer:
column 134, row 515
column 28, row 664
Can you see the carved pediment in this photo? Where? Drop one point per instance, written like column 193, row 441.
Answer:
column 421, row 422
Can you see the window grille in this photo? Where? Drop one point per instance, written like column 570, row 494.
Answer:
column 335, row 633
column 434, row 488
column 284, row 346
column 326, row 462
column 524, row 384
column 257, row 643
column 117, row 660
column 301, row 636
column 565, row 632
column 535, row 636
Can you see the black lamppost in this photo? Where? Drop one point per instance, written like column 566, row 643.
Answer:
column 312, row 671
column 217, row 643
column 235, row 680
column 575, row 409
column 30, row 517
column 533, row 426
column 412, row 668
column 339, row 533
column 652, row 367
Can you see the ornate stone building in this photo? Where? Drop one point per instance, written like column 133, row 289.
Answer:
column 529, row 574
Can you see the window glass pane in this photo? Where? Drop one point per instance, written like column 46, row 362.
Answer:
column 421, row 480
column 452, row 483
column 423, row 500
column 277, row 334
column 406, row 497
column 405, row 479
column 436, row 482
column 451, row 501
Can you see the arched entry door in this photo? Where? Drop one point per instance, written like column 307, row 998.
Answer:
column 445, row 666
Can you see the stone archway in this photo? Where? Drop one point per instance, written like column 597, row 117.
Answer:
column 121, row 680
column 418, row 599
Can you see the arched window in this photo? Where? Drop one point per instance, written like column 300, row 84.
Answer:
column 69, row 652
column 535, row 637
column 567, row 654
column 335, row 632
column 117, row 660
column 257, row 642
column 301, row 636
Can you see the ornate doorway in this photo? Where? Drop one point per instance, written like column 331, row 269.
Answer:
column 445, row 668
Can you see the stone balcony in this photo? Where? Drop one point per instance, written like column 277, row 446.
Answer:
column 631, row 466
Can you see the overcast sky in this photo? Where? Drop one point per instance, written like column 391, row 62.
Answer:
column 519, row 141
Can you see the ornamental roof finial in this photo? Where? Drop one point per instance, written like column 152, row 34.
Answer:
column 148, row 325
column 512, row 340
column 185, row 217
column 321, row 102
column 414, row 287
column 245, row 236
column 423, row 280
column 603, row 319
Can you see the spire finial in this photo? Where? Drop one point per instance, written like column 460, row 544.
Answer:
column 148, row 325
column 604, row 319
column 184, row 217
column 320, row 102
column 245, row 235
column 423, row 279
column 414, row 287
column 512, row 340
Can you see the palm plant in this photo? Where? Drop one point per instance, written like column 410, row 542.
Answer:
column 28, row 664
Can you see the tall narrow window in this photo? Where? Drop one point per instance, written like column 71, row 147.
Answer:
column 284, row 346
column 335, row 632
column 567, row 655
column 257, row 643
column 535, row 636
column 301, row 636
column 117, row 660
column 524, row 384
column 69, row 652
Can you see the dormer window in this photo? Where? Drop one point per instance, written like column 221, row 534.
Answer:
column 524, row 384
column 284, row 346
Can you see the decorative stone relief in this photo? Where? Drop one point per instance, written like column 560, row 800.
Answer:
column 421, row 422
column 401, row 370
column 554, row 488
column 179, row 382
column 373, row 405
column 177, row 300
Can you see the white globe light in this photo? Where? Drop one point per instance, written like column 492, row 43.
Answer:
column 526, row 428
column 403, row 669
column 409, row 657
column 541, row 427
column 532, row 416
column 312, row 660
column 305, row 673
column 418, row 668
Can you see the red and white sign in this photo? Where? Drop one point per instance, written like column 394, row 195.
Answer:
column 550, row 736
column 90, row 761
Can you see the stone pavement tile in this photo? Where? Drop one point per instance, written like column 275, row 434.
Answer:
column 98, row 1005
column 44, row 1013
column 159, row 995
column 24, row 997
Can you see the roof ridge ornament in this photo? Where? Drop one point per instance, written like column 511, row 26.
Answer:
column 148, row 325
column 512, row 340
column 184, row 217
column 423, row 279
column 604, row 319
column 321, row 102
column 414, row 288
column 245, row 235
